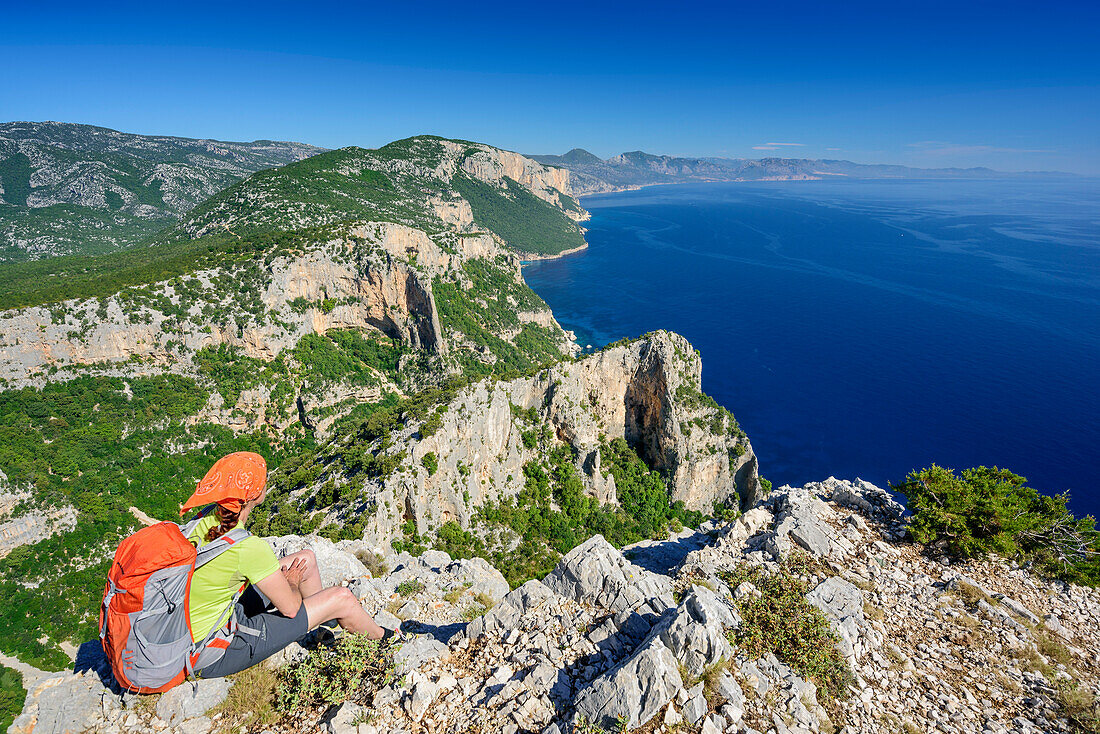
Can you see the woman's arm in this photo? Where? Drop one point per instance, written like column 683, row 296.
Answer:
column 286, row 598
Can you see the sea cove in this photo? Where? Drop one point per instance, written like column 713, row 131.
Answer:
column 866, row 328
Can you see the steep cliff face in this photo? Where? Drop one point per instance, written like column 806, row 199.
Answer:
column 363, row 279
column 493, row 166
column 646, row 392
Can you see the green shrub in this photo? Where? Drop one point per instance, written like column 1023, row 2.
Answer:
column 990, row 510
column 410, row 587
column 430, row 462
column 352, row 669
column 431, row 424
column 782, row 622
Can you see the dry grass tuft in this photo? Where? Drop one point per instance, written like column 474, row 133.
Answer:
column 374, row 562
column 710, row 677
column 251, row 701
column 971, row 595
column 1052, row 649
column 473, row 612
column 1079, row 705
column 872, row 612
column 969, row 622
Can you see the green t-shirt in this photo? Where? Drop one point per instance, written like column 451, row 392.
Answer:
column 213, row 586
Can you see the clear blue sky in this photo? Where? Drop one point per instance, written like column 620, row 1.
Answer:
column 1008, row 85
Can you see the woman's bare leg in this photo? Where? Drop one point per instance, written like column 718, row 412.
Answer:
column 339, row 603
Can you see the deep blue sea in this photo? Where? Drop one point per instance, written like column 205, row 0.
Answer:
column 866, row 328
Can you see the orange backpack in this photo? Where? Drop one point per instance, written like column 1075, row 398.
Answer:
column 144, row 622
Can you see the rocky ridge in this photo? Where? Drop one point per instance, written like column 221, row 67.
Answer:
column 425, row 182
column 603, row 642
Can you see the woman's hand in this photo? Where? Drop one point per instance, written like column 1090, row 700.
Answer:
column 294, row 572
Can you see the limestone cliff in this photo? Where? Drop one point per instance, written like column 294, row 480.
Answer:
column 368, row 272
column 371, row 277
column 646, row 392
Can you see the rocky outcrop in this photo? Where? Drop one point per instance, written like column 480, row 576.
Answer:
column 596, row 573
column 367, row 279
column 635, row 691
column 931, row 645
column 646, row 391
column 34, row 526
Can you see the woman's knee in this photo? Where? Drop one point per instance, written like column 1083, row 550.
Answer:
column 345, row 597
column 307, row 556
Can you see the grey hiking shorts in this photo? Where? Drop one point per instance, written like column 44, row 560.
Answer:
column 263, row 633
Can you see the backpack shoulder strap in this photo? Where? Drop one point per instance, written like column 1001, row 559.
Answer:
column 189, row 527
column 219, row 545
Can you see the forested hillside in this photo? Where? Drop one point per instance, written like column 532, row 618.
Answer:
column 67, row 188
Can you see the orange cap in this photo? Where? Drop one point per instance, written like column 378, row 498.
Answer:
column 232, row 481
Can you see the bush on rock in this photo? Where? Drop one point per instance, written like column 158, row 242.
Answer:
column 779, row 620
column 990, row 510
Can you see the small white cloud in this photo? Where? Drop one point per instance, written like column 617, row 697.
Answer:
column 834, row 149
column 777, row 146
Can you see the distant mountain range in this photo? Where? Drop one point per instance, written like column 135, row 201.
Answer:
column 592, row 174
column 68, row 188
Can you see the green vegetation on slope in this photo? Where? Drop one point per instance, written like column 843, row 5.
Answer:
column 361, row 455
column 488, row 309
column 15, row 176
column 780, row 621
column 84, row 276
column 989, row 510
column 527, row 223
column 331, row 187
column 552, row 514
column 346, row 355
column 104, row 190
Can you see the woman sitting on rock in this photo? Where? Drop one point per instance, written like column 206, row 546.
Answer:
column 280, row 600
